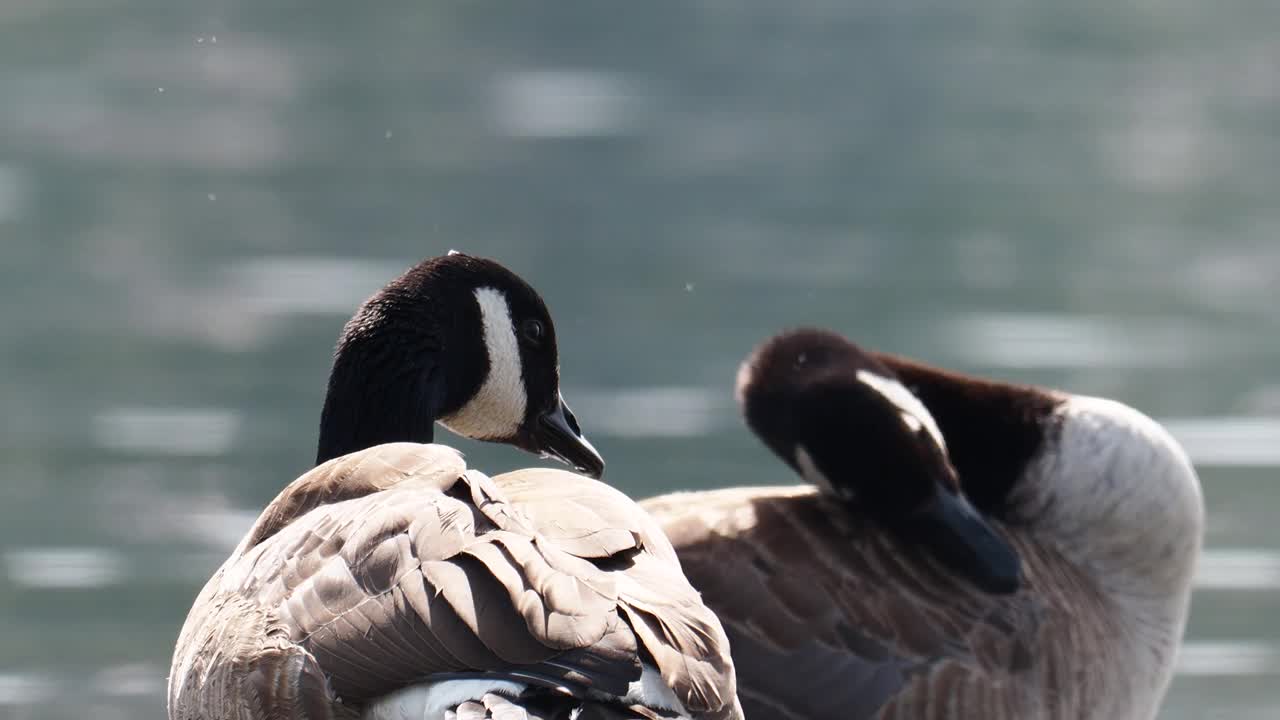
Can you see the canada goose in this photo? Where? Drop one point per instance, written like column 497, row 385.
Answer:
column 829, row 616
column 391, row 582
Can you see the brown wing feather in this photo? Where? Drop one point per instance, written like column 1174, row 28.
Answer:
column 353, row 476
column 383, row 567
column 828, row 617
column 667, row 615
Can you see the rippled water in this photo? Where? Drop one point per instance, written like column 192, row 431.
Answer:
column 193, row 196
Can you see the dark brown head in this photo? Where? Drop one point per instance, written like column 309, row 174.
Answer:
column 842, row 420
column 457, row 340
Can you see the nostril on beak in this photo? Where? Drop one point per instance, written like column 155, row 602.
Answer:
column 572, row 420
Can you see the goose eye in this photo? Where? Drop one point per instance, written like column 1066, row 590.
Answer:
column 534, row 331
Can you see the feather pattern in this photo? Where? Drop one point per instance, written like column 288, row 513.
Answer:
column 383, row 568
column 838, row 620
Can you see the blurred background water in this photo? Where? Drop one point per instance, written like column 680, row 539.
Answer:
column 193, row 197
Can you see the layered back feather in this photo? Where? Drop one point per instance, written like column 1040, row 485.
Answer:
column 829, row 617
column 392, row 566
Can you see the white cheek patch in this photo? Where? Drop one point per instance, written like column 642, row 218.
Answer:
column 912, row 411
column 497, row 409
column 815, row 477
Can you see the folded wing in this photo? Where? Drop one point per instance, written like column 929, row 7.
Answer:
column 828, row 617
column 384, row 568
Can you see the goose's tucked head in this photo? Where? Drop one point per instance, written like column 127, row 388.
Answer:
column 458, row 340
column 844, row 422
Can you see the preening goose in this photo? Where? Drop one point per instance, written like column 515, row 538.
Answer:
column 838, row 602
column 391, row 582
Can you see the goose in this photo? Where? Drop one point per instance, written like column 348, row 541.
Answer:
column 393, row 582
column 847, row 598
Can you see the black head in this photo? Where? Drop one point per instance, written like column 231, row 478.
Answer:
column 459, row 340
column 842, row 420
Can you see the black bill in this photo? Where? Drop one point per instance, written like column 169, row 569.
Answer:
column 556, row 434
column 965, row 542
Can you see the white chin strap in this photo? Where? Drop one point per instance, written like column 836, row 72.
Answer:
column 497, row 408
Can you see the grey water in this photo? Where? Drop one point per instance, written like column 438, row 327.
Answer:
column 193, row 196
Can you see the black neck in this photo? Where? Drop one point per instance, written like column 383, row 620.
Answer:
column 359, row 413
column 993, row 430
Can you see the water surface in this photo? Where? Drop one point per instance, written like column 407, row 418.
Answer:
column 194, row 196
